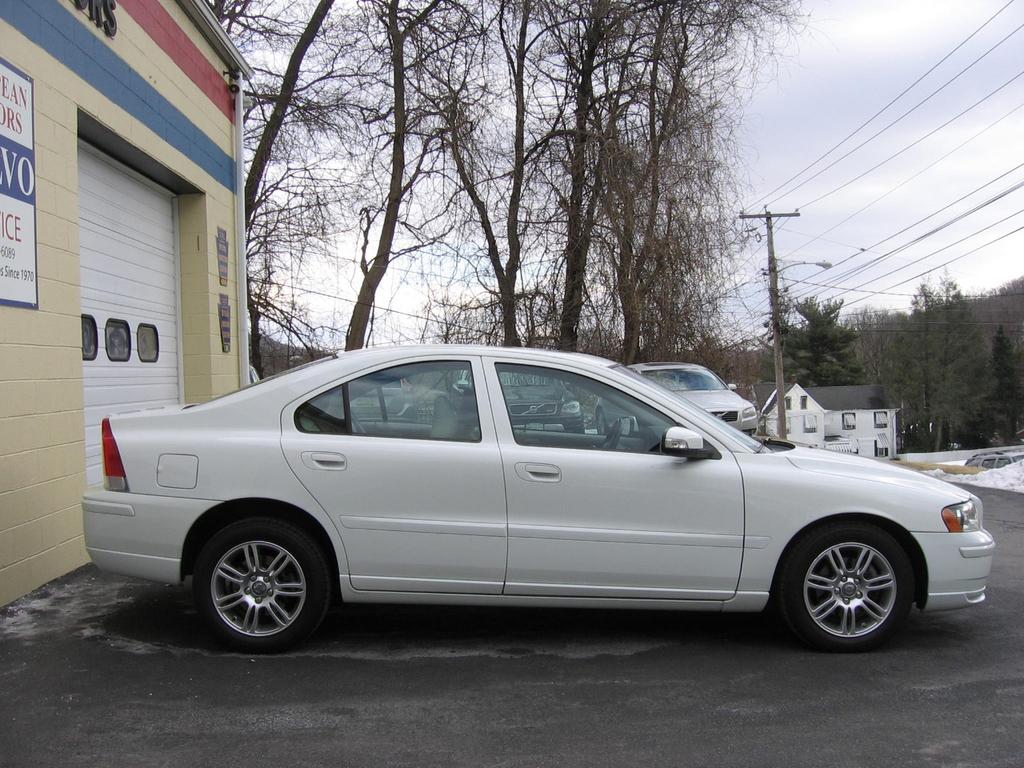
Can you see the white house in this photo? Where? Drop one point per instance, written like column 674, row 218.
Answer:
column 850, row 419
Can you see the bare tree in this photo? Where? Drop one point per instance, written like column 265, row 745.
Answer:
column 291, row 106
column 668, row 79
column 402, row 37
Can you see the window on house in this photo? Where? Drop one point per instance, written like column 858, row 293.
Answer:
column 881, row 419
column 881, row 451
column 789, row 404
column 803, row 402
column 849, row 420
column 811, row 423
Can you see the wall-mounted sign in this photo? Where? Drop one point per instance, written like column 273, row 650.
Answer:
column 222, row 254
column 18, row 284
column 101, row 13
column 224, row 310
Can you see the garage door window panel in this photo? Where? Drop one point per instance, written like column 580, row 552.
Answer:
column 118, row 338
column 148, row 342
column 90, row 338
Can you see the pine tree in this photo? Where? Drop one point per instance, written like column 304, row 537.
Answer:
column 1006, row 390
column 942, row 378
column 821, row 351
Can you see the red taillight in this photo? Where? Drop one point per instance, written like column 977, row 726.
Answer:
column 114, row 478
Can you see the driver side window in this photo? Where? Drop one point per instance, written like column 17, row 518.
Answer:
column 557, row 409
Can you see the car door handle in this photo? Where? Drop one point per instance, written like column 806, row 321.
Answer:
column 323, row 460
column 539, row 473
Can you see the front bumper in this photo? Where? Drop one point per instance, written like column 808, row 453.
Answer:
column 958, row 568
column 138, row 535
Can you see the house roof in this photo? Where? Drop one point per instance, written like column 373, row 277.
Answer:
column 865, row 397
column 862, row 397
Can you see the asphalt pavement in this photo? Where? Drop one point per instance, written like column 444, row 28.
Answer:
column 96, row 670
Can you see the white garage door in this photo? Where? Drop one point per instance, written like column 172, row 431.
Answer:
column 129, row 296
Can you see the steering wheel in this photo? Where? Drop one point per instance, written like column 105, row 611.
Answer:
column 612, row 437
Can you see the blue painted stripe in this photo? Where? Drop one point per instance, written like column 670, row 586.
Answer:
column 55, row 29
column 14, row 175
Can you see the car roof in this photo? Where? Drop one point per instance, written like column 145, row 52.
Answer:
column 653, row 366
column 382, row 355
column 551, row 355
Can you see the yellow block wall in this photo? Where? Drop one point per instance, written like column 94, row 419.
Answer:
column 42, row 453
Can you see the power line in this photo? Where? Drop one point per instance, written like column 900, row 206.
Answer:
column 914, row 143
column 937, row 251
column 885, row 291
column 935, row 230
column 899, row 293
column 945, row 263
column 920, row 238
column 914, row 108
column 897, row 187
column 902, row 93
column 376, row 307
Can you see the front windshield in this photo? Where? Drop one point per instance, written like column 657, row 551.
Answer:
column 685, row 379
column 746, row 440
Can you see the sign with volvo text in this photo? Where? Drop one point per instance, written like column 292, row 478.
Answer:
column 18, row 279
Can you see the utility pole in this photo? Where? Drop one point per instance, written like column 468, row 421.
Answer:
column 776, row 318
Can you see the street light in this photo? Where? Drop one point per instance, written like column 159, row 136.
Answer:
column 776, row 322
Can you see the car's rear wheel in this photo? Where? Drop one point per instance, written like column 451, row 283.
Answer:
column 846, row 586
column 261, row 585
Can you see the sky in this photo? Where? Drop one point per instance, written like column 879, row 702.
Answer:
column 838, row 70
column 833, row 76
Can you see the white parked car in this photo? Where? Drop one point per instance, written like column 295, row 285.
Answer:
column 398, row 475
column 702, row 386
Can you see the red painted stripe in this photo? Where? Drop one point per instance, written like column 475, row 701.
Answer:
column 175, row 42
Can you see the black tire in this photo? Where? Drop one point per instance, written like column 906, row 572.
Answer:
column 272, row 604
column 830, row 603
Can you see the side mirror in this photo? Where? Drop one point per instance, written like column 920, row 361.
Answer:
column 732, row 387
column 687, row 444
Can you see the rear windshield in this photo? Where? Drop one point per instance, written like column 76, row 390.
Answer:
column 274, row 377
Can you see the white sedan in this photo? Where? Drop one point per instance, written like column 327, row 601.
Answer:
column 399, row 475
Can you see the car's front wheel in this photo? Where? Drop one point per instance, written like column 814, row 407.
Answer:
column 261, row 585
column 846, row 586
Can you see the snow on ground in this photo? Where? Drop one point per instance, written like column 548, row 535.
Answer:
column 1008, row 478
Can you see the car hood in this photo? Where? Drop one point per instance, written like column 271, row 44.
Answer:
column 714, row 399
column 846, row 465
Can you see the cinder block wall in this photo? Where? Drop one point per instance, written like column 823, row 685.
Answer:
column 145, row 91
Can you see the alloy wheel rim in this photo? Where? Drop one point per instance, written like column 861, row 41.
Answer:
column 258, row 588
column 850, row 589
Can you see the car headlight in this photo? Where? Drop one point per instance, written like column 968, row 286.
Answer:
column 961, row 518
column 571, row 408
column 749, row 413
